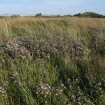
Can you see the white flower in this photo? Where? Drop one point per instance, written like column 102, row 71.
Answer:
column 36, row 92
column 45, row 88
column 62, row 84
column 45, row 102
column 42, row 87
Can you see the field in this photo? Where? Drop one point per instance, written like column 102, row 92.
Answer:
column 52, row 61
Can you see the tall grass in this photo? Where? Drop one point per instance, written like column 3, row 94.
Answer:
column 52, row 61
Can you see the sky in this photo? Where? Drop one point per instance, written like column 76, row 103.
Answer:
column 63, row 7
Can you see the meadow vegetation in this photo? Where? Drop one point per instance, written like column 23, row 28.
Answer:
column 52, row 61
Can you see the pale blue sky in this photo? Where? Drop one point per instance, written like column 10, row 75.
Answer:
column 51, row 6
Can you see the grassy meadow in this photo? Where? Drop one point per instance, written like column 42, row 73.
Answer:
column 52, row 61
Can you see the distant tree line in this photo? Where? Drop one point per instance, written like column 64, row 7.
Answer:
column 86, row 14
column 90, row 14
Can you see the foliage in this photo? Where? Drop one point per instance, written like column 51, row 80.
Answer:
column 38, row 14
column 90, row 14
column 79, row 14
column 53, row 61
